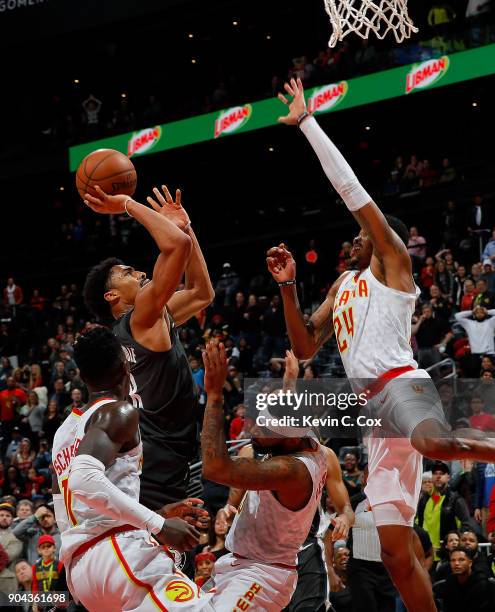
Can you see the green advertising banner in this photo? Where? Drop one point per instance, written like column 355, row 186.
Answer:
column 402, row 81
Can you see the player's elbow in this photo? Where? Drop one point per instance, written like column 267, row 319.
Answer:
column 184, row 244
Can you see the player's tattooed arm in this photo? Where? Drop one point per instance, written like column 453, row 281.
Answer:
column 277, row 474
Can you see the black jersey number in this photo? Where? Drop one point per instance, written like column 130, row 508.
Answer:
column 136, row 400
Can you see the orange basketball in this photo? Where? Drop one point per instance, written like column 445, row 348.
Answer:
column 111, row 170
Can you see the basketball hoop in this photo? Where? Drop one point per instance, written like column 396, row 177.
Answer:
column 363, row 16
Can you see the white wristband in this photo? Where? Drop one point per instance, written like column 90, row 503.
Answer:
column 338, row 171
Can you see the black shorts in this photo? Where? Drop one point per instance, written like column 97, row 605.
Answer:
column 311, row 593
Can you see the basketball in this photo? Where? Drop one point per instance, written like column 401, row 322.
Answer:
column 111, row 170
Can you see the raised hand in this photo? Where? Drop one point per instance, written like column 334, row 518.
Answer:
column 298, row 105
column 281, row 264
column 105, row 204
column 291, row 366
column 215, row 361
column 165, row 205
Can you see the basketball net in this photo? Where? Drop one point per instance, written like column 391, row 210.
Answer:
column 363, row 16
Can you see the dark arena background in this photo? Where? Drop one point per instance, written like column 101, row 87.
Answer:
column 415, row 121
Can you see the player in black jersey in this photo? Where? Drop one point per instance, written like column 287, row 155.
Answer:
column 146, row 313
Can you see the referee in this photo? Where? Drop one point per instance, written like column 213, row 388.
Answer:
column 371, row 587
column 145, row 314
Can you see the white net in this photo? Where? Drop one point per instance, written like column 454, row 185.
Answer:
column 363, row 16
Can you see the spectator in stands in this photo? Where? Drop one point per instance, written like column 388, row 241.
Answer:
column 451, row 225
column 430, row 333
column 478, row 219
column 467, row 300
column 469, row 540
column 14, row 483
column 204, row 564
column 428, row 176
column 439, row 512
column 483, row 296
column 11, row 400
column 352, row 475
column 464, row 590
column 23, row 510
column 33, row 484
column 227, row 285
column 43, row 458
column 444, row 280
column 48, row 570
column 32, row 413
column 16, row 438
column 489, row 250
column 485, row 486
column 24, row 457
column 24, row 575
column 42, row 522
column 440, row 304
column 60, row 395
column 237, row 423
column 440, row 16
column 51, row 421
column 274, row 330
column 488, row 276
column 341, row 600
column 479, row 419
column 448, row 172
column 416, row 247
column 37, row 301
column 479, row 326
column 77, row 401
column 219, row 528
column 451, row 541
column 10, row 549
column 12, row 294
column 427, row 276
column 92, row 107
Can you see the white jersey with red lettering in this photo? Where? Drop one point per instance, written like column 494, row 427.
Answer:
column 372, row 325
column 85, row 523
column 253, row 536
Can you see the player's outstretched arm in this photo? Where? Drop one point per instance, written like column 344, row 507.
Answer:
column 388, row 247
column 337, row 492
column 277, row 474
column 198, row 292
column 112, row 430
column 306, row 338
column 175, row 248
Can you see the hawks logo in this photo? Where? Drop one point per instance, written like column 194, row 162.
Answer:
column 179, row 591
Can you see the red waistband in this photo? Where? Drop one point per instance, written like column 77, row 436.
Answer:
column 90, row 543
column 282, row 565
column 379, row 384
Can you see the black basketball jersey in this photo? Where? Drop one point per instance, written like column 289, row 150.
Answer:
column 164, row 391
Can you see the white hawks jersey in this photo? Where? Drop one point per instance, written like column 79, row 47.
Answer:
column 372, row 326
column 85, row 523
column 264, row 530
